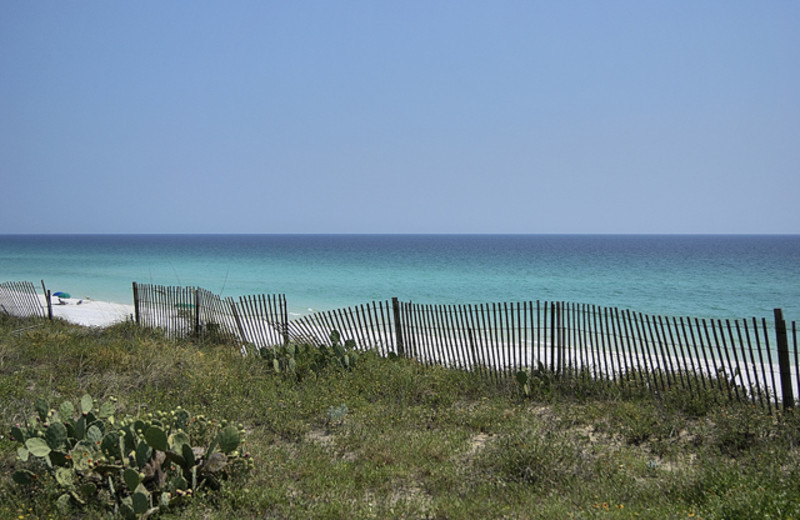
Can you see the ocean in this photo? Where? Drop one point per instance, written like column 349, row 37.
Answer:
column 713, row 276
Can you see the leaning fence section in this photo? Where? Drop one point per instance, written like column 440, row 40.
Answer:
column 370, row 326
column 21, row 300
column 169, row 308
column 745, row 358
column 493, row 339
column 500, row 339
column 257, row 321
column 215, row 316
column 749, row 359
column 261, row 320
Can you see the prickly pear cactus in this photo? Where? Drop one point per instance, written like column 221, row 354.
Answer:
column 134, row 466
column 302, row 360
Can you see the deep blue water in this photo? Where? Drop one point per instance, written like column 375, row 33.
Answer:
column 723, row 276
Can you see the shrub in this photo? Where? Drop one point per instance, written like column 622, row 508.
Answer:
column 740, row 428
column 540, row 459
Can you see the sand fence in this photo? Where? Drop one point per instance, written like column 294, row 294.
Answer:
column 20, row 299
column 255, row 321
column 752, row 359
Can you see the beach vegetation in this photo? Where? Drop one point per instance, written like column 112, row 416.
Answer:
column 133, row 466
column 381, row 438
column 301, row 360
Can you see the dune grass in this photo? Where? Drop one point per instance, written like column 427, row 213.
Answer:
column 395, row 439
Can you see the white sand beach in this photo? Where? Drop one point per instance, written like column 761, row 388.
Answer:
column 91, row 313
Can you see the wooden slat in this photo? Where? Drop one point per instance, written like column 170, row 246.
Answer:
column 21, row 300
column 475, row 341
column 522, row 329
column 726, row 370
column 497, row 325
column 486, row 342
column 796, row 360
column 599, row 342
column 450, row 337
column 774, row 389
column 360, row 320
column 367, row 316
column 435, row 341
column 759, row 382
column 749, row 366
column 603, row 345
column 427, row 334
column 441, row 335
column 415, row 335
column 588, row 344
column 464, row 353
column 734, row 370
column 617, row 339
column 582, row 343
column 539, row 320
column 510, row 337
column 643, row 351
column 627, row 347
column 708, row 347
column 677, row 349
column 461, row 360
column 663, row 348
column 658, row 354
column 527, row 311
column 470, row 354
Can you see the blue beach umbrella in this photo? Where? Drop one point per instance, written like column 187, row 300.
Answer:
column 61, row 294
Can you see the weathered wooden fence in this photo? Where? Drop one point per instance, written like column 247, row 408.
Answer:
column 752, row 359
column 20, row 299
column 371, row 326
column 262, row 320
column 755, row 359
column 171, row 309
column 258, row 321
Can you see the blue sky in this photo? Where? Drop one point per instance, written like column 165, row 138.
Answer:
column 400, row 117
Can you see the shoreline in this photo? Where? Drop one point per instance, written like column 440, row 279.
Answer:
column 90, row 313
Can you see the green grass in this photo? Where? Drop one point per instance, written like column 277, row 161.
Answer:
column 395, row 439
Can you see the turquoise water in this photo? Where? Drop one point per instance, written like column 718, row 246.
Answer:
column 719, row 276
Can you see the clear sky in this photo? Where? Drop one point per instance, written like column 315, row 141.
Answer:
column 400, row 117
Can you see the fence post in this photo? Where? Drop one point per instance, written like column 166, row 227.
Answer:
column 197, row 311
column 49, row 302
column 553, row 336
column 284, row 319
column 783, row 359
column 398, row 328
column 136, row 303
column 238, row 321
